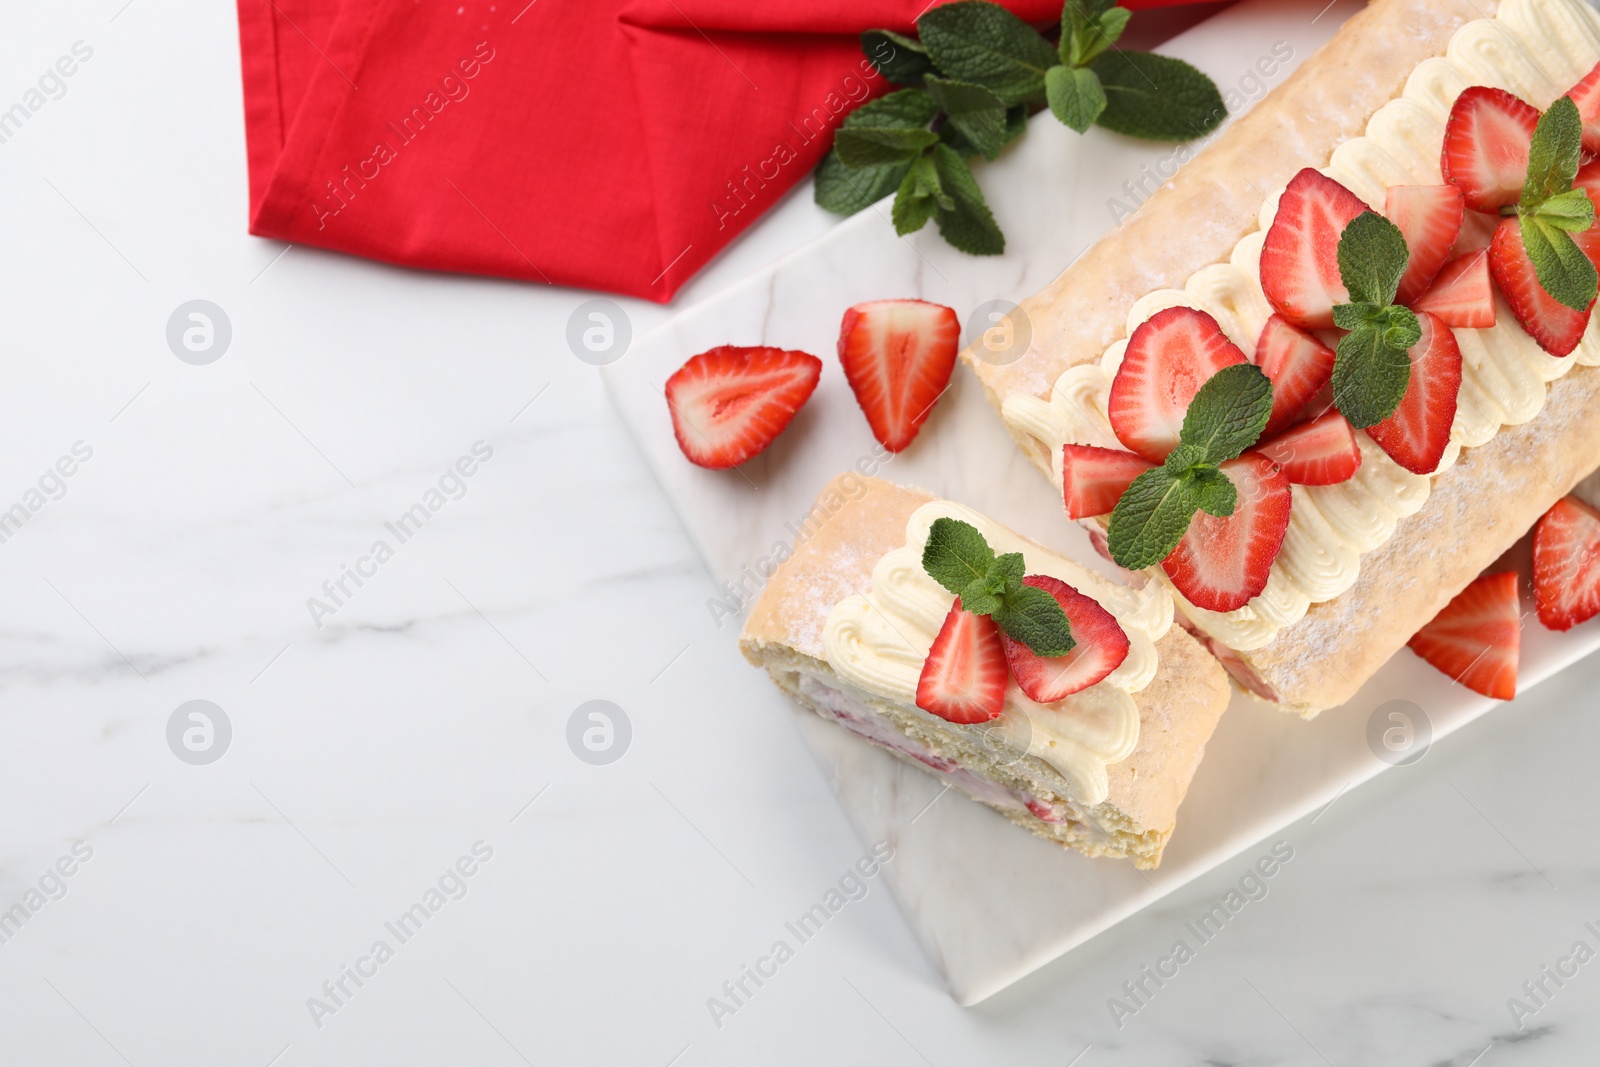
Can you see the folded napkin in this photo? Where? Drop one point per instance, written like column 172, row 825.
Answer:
column 605, row 144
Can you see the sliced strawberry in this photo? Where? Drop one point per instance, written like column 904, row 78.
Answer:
column 1092, row 479
column 1320, row 452
column 1297, row 364
column 964, row 677
column 897, row 356
column 1221, row 564
column 1566, row 564
column 1418, row 432
column 1486, row 141
column 1588, row 179
column 1461, row 294
column 1477, row 637
column 1429, row 217
column 1586, row 94
column 729, row 403
column 1169, row 357
column 1556, row 327
column 1300, row 257
column 1100, row 649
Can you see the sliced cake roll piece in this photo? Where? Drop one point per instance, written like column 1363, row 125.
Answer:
column 860, row 625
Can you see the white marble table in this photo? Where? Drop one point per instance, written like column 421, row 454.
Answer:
column 428, row 715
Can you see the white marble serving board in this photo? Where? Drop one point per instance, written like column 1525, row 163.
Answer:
column 990, row 902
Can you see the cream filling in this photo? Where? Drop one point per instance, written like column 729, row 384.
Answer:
column 878, row 642
column 1535, row 48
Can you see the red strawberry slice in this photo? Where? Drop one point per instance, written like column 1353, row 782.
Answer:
column 1486, row 141
column 1418, row 432
column 1477, row 637
column 1461, row 294
column 964, row 677
column 1100, row 649
column 1169, row 357
column 729, row 403
column 1300, row 257
column 1297, row 364
column 1320, row 452
column 1222, row 564
column 897, row 356
column 1556, row 327
column 1566, row 564
column 1429, row 217
column 1092, row 479
column 1586, row 94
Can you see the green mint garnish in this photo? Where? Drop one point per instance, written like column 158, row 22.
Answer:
column 1372, row 366
column 1551, row 210
column 1225, row 417
column 983, row 43
column 958, row 558
column 1157, row 98
column 899, row 58
column 975, row 73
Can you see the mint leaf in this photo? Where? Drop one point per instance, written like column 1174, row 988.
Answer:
column 875, row 145
column 973, row 111
column 899, row 58
column 969, row 226
column 956, row 554
column 1229, row 412
column 911, row 109
column 1572, row 211
column 1185, row 458
column 1005, row 573
column 1087, row 29
column 983, row 43
column 1372, row 257
column 1370, row 374
column 1035, row 618
column 1157, row 97
column 1553, row 157
column 920, row 197
column 846, row 190
column 914, row 203
column 1564, row 271
column 1075, row 96
column 1215, row 492
column 1151, row 518
column 979, row 599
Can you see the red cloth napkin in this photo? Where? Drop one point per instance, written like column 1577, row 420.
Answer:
column 607, row 144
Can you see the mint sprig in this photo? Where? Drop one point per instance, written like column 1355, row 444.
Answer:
column 1225, row 417
column 1372, row 365
column 958, row 558
column 1551, row 210
column 974, row 74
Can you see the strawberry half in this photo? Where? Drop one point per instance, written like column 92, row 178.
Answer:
column 1297, row 364
column 1477, row 637
column 1566, row 564
column 1169, row 357
column 1556, row 327
column 1320, row 452
column 1486, row 142
column 1429, row 217
column 1222, row 564
column 1300, row 256
column 964, row 677
column 1093, row 479
column 729, row 403
column 1461, row 294
column 1100, row 649
column 1417, row 433
column 1586, row 94
column 897, row 356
